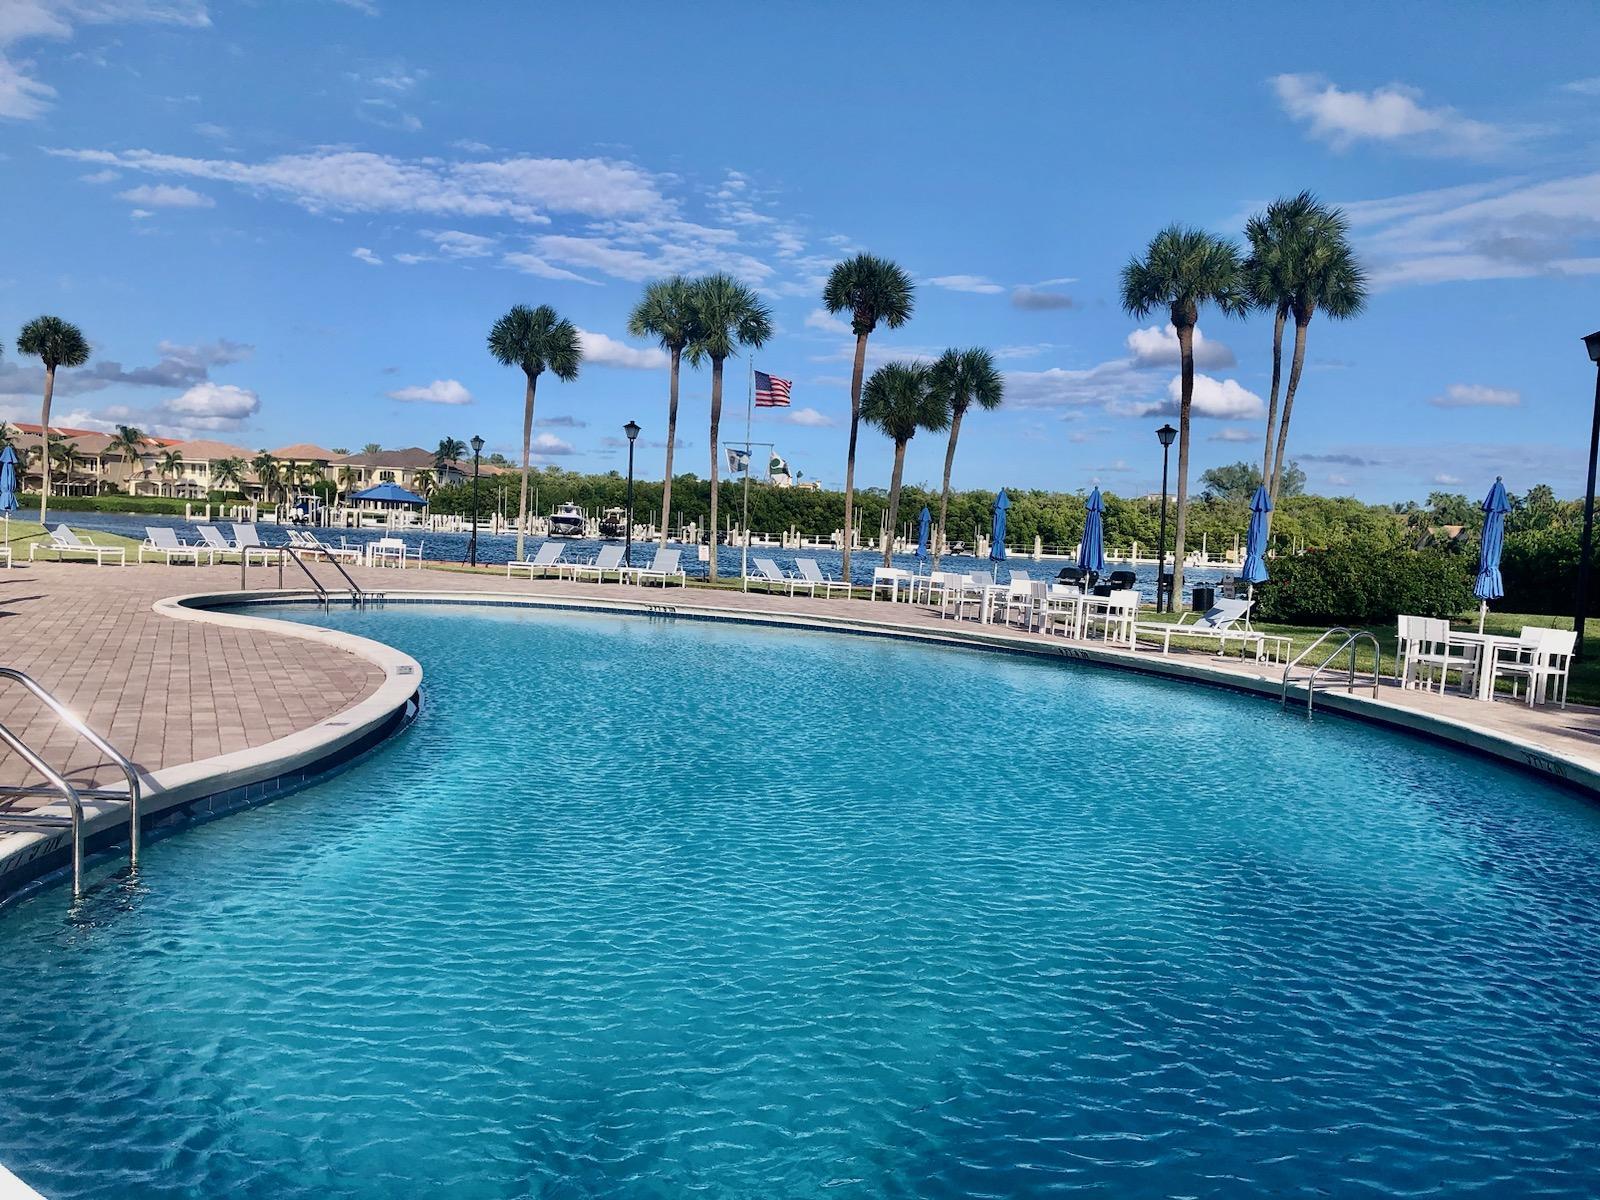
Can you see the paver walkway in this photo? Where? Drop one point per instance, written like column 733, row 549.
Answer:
column 169, row 691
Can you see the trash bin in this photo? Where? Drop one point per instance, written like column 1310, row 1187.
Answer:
column 1202, row 597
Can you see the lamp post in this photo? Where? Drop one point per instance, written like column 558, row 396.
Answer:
column 632, row 430
column 472, row 543
column 1592, row 342
column 1166, row 433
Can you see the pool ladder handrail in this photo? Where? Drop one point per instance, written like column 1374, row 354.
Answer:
column 358, row 596
column 74, row 796
column 1352, row 638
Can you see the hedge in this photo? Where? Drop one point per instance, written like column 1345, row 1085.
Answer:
column 1353, row 584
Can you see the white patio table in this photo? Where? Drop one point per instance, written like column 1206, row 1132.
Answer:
column 1488, row 644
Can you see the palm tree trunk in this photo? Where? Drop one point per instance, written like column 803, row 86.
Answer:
column 44, row 426
column 527, row 456
column 672, row 438
column 944, row 495
column 1288, row 403
column 850, row 455
column 1272, row 400
column 716, row 422
column 1180, row 526
column 894, row 502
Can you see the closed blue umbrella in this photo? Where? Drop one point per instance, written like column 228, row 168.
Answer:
column 1092, row 549
column 997, row 531
column 924, row 518
column 8, row 486
column 1254, row 570
column 1489, row 585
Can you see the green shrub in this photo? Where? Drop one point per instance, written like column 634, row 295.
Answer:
column 1354, row 584
column 1540, row 570
column 164, row 505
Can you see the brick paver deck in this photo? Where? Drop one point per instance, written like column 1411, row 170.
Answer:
column 170, row 691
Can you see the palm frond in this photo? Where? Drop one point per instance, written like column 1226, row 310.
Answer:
column 872, row 290
column 537, row 340
column 54, row 342
column 727, row 314
column 899, row 399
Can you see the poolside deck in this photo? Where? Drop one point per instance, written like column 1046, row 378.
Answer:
column 170, row 692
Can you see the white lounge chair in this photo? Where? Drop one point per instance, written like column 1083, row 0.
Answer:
column 248, row 542
column 607, row 560
column 813, row 574
column 219, row 546
column 1220, row 624
column 664, row 568
column 5, row 556
column 1543, row 657
column 770, row 575
column 64, row 542
column 547, row 559
column 164, row 541
column 307, row 543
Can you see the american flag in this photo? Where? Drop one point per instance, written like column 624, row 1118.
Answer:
column 772, row 392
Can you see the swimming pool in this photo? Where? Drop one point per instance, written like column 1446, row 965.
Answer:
column 651, row 907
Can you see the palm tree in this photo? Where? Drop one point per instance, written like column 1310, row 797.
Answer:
column 960, row 379
column 372, row 448
column 57, row 452
column 450, row 451
column 128, row 442
column 341, row 451
column 1182, row 269
column 727, row 315
column 422, row 483
column 537, row 340
column 267, row 473
column 226, row 472
column 666, row 312
column 871, row 290
column 169, row 465
column 8, row 435
column 55, row 343
column 1321, row 272
column 1269, row 280
column 900, row 399
column 345, row 480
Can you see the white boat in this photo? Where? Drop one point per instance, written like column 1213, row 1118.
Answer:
column 567, row 521
column 614, row 523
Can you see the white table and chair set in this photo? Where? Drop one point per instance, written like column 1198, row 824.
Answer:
column 1537, row 660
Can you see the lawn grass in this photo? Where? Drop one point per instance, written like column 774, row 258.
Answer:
column 24, row 533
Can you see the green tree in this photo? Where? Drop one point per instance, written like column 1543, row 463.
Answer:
column 1316, row 269
column 666, row 312
column 170, row 466
column 128, row 443
column 873, row 291
column 1237, row 482
column 898, row 400
column 55, row 343
column 960, row 379
column 227, row 474
column 268, row 474
column 1182, row 269
column 536, row 340
column 727, row 315
column 422, row 482
column 450, row 451
column 1269, row 278
column 372, row 448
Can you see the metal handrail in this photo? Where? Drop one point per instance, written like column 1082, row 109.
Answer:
column 68, row 792
column 1352, row 638
column 289, row 552
column 76, row 723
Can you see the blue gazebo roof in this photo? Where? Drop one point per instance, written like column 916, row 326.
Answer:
column 389, row 493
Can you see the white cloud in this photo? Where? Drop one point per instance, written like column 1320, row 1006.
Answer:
column 701, row 250
column 1476, row 395
column 367, row 256
column 977, row 284
column 1392, row 114
column 1033, row 298
column 1583, row 87
column 1235, row 433
column 1157, row 346
column 1446, row 479
column 810, row 418
column 609, row 352
column 532, row 264
column 440, row 391
column 1220, row 399
column 823, row 320
column 212, row 406
column 548, row 445
column 455, row 244
column 163, row 195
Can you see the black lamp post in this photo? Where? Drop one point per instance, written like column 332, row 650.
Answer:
column 1166, row 433
column 632, row 430
column 1593, row 344
column 472, row 543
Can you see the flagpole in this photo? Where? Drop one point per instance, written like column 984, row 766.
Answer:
column 749, row 411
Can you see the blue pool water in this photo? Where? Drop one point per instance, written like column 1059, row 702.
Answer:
column 665, row 908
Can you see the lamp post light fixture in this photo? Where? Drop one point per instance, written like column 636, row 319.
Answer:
column 632, row 430
column 472, row 542
column 1165, row 434
column 1592, row 343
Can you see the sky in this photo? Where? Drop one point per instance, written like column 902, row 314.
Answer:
column 297, row 220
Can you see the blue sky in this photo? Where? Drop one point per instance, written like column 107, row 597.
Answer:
column 296, row 220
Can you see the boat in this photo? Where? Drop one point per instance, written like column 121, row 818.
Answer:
column 567, row 521
column 614, row 523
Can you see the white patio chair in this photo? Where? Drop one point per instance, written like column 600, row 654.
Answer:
column 159, row 539
column 607, row 560
column 769, row 574
column 1542, row 657
column 1063, row 606
column 664, row 567
column 814, row 575
column 1429, row 650
column 1220, row 624
column 219, row 546
column 888, row 579
column 546, row 560
column 1023, row 597
column 968, row 593
column 64, row 542
column 248, row 542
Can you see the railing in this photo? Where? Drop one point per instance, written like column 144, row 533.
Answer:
column 59, row 785
column 1352, row 639
column 357, row 595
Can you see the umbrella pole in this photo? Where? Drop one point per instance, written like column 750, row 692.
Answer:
column 1483, row 611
